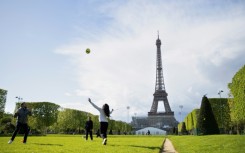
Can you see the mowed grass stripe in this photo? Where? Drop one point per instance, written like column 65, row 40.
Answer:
column 209, row 144
column 77, row 144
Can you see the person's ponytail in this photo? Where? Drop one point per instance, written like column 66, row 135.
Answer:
column 106, row 110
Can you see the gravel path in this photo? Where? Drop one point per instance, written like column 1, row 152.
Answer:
column 168, row 147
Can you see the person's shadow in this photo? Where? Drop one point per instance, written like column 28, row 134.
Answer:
column 47, row 144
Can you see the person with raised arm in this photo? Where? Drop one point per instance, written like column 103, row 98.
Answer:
column 103, row 119
column 22, row 119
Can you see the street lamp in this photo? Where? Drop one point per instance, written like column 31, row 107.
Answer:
column 128, row 112
column 219, row 93
column 127, row 119
column 180, row 106
column 19, row 98
column 135, row 120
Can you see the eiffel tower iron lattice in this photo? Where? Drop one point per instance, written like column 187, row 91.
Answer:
column 164, row 120
column 160, row 92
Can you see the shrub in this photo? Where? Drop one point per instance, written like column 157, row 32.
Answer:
column 206, row 120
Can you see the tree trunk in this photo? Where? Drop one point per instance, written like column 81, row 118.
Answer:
column 237, row 129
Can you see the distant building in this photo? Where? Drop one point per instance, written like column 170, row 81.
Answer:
column 152, row 130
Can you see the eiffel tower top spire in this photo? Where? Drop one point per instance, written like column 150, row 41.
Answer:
column 159, row 73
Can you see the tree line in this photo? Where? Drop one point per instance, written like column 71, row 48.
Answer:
column 48, row 117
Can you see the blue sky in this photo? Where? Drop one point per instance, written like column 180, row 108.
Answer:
column 43, row 58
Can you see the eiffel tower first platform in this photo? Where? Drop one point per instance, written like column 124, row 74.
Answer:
column 163, row 120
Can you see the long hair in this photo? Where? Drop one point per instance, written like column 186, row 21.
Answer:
column 106, row 110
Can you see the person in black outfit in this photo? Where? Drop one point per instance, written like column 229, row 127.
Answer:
column 22, row 118
column 148, row 132
column 89, row 128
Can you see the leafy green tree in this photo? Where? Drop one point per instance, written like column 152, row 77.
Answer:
column 44, row 114
column 206, row 120
column 6, row 125
column 70, row 120
column 3, row 95
column 111, row 126
column 96, row 123
column 237, row 103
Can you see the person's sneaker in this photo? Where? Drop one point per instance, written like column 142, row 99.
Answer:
column 104, row 141
column 10, row 141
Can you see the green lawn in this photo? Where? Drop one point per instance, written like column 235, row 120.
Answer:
column 124, row 144
column 77, row 144
column 209, row 144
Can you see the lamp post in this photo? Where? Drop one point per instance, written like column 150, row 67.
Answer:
column 135, row 120
column 19, row 98
column 127, row 118
column 180, row 106
column 219, row 93
column 128, row 112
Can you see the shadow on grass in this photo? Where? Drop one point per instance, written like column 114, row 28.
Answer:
column 47, row 144
column 146, row 147
column 152, row 148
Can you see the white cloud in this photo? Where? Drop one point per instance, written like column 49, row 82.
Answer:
column 120, row 69
column 68, row 94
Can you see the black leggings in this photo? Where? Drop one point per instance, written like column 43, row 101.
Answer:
column 103, row 129
column 88, row 131
column 18, row 127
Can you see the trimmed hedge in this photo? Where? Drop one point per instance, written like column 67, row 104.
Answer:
column 221, row 112
column 190, row 122
column 180, row 127
column 206, row 121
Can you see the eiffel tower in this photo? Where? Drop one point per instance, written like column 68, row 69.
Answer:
column 160, row 92
column 163, row 120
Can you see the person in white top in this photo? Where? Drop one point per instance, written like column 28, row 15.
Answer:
column 104, row 114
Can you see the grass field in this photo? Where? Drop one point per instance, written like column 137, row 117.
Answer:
column 124, row 144
column 77, row 144
column 209, row 144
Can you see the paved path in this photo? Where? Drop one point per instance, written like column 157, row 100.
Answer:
column 168, row 147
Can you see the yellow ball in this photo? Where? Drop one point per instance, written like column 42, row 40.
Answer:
column 87, row 50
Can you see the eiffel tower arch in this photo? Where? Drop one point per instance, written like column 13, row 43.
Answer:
column 160, row 96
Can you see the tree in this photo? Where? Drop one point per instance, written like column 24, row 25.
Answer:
column 6, row 125
column 237, row 103
column 175, row 130
column 183, row 129
column 3, row 95
column 206, row 121
column 47, row 114
column 44, row 114
column 95, row 119
column 70, row 120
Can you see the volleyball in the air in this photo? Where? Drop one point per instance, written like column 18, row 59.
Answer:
column 87, row 50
